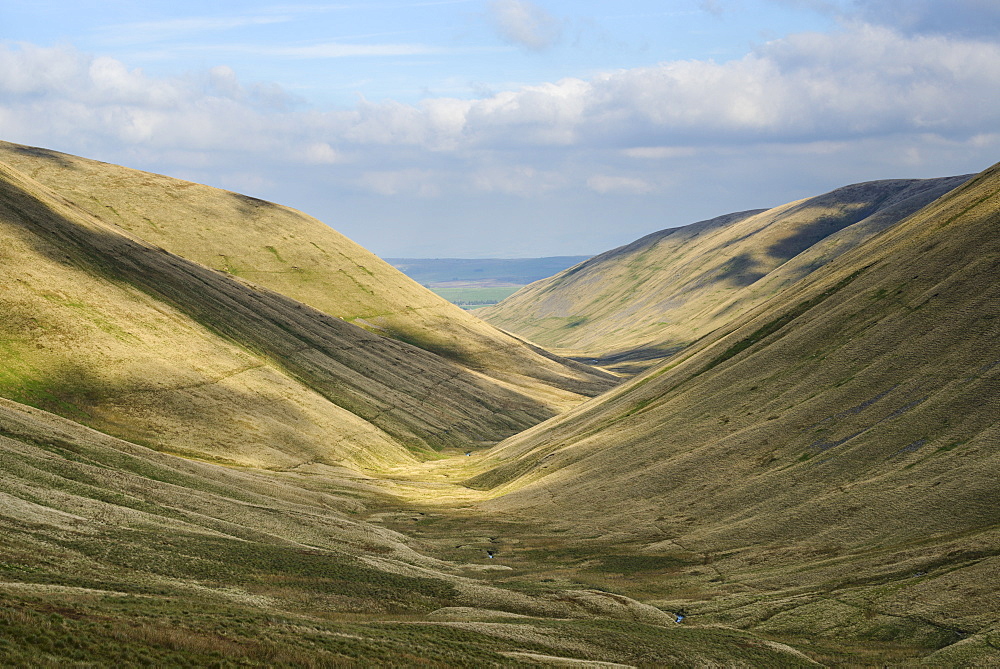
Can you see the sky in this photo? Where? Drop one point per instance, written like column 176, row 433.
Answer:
column 509, row 128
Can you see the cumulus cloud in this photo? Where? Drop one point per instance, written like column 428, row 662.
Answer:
column 862, row 82
column 867, row 92
column 524, row 23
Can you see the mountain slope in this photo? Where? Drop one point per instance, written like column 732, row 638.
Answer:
column 646, row 300
column 104, row 328
column 842, row 440
column 293, row 254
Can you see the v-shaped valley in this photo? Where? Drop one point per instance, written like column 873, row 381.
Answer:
column 230, row 435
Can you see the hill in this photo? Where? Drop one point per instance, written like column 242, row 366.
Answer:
column 115, row 555
column 105, row 328
column 813, row 482
column 285, row 251
column 637, row 304
column 823, row 468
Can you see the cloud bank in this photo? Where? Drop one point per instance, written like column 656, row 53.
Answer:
column 911, row 96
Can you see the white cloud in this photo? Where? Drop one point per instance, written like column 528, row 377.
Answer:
column 519, row 180
column 146, row 31
column 524, row 23
column 865, row 82
column 660, row 152
column 341, row 50
column 606, row 184
column 865, row 101
column 321, row 153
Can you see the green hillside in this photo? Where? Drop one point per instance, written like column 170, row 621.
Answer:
column 115, row 555
column 104, row 328
column 825, row 468
column 473, row 283
column 293, row 254
column 637, row 304
column 269, row 542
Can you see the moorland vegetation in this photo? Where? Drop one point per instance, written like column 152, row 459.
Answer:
column 231, row 437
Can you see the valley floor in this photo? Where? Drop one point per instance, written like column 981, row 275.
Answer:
column 115, row 554
column 834, row 626
column 199, row 565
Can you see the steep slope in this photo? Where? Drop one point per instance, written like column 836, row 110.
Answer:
column 839, row 446
column 107, row 329
column 639, row 303
column 293, row 254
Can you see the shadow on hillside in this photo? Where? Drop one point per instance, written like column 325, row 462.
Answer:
column 740, row 270
column 169, row 408
column 415, row 396
column 51, row 156
column 807, row 235
column 250, row 206
column 643, row 354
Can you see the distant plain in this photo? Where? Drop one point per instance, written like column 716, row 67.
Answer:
column 474, row 283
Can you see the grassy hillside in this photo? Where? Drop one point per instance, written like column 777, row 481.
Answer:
column 293, row 254
column 104, row 328
column 272, row 541
column 823, row 469
column 639, row 303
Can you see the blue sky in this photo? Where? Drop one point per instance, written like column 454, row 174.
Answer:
column 510, row 128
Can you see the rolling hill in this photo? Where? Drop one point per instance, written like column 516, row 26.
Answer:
column 637, row 304
column 285, row 251
column 475, row 283
column 116, row 555
column 823, row 468
column 498, row 271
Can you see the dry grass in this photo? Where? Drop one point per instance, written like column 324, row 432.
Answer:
column 844, row 438
column 298, row 256
column 635, row 305
column 106, row 328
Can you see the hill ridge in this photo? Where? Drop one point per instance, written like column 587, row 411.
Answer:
column 649, row 299
column 296, row 255
column 841, row 438
column 254, row 335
